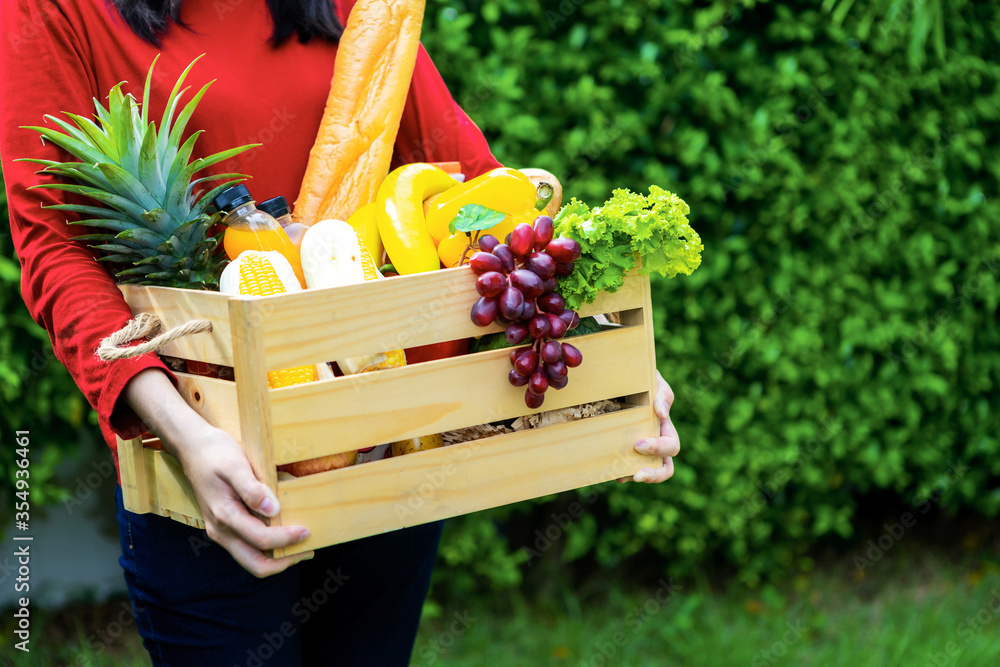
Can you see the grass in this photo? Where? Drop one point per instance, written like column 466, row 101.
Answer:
column 911, row 609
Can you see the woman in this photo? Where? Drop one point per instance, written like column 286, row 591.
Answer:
column 218, row 601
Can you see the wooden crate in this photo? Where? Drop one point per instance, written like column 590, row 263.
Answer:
column 276, row 426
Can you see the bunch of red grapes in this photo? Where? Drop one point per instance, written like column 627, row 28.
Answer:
column 517, row 288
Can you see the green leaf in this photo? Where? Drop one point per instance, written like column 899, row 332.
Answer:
column 474, row 218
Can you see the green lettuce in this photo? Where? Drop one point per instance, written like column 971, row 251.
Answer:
column 653, row 227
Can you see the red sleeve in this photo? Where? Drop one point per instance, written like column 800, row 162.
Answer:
column 45, row 69
column 434, row 128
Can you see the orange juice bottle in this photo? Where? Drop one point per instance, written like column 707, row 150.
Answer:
column 248, row 228
column 278, row 208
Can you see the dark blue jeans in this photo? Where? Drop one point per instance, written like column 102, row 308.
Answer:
column 357, row 603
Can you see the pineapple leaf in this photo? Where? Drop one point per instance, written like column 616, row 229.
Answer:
column 106, row 198
column 181, row 160
column 95, row 237
column 124, row 183
column 71, row 130
column 158, row 220
column 164, row 275
column 97, row 136
column 137, row 270
column 82, row 172
column 124, row 249
column 172, row 101
column 204, row 163
column 91, row 210
column 145, row 91
column 114, row 225
column 77, row 148
column 177, row 131
column 205, row 200
column 153, row 259
column 127, row 159
column 117, row 259
column 149, row 164
column 146, row 237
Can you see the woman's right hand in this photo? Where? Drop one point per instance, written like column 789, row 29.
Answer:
column 220, row 475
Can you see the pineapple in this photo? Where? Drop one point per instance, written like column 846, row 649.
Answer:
column 157, row 225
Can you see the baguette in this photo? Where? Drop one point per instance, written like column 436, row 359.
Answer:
column 353, row 147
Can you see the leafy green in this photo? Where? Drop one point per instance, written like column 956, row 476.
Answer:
column 474, row 218
column 653, row 227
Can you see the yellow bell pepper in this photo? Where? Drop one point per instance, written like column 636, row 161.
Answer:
column 399, row 214
column 366, row 225
column 505, row 190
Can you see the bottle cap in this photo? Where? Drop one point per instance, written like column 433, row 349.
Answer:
column 230, row 198
column 275, row 207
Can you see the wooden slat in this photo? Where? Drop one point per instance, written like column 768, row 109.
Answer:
column 253, row 398
column 177, row 306
column 340, row 322
column 136, row 484
column 172, row 493
column 339, row 415
column 376, row 497
column 215, row 400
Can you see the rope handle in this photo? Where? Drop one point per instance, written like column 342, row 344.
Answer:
column 144, row 325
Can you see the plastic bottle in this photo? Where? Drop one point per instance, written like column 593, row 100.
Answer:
column 249, row 228
column 278, row 208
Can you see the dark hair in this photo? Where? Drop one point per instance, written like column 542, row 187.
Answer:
column 307, row 18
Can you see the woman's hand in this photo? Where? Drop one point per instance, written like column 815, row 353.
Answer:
column 220, row 475
column 667, row 445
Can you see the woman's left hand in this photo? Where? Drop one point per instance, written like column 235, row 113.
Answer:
column 667, row 445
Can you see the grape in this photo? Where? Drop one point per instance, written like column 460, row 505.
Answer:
column 515, row 353
column 570, row 318
column 557, row 328
column 517, row 333
column 483, row 262
column 543, row 231
column 556, row 371
column 506, row 257
column 539, row 326
column 551, row 352
column 541, row 265
column 522, row 240
column 526, row 281
column 527, row 362
column 484, row 311
column 487, row 242
column 533, row 400
column 528, row 311
column 506, row 239
column 491, row 283
column 501, row 320
column 571, row 355
column 549, row 285
column 559, row 384
column 564, row 268
column 563, row 249
column 550, row 303
column 539, row 382
column 517, row 379
column 510, row 303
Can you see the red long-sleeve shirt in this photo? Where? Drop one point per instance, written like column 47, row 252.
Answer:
column 57, row 55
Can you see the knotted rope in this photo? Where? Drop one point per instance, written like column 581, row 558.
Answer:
column 145, row 325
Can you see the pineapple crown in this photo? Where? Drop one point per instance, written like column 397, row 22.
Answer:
column 144, row 179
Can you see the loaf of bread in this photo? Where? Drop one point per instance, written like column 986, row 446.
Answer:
column 371, row 79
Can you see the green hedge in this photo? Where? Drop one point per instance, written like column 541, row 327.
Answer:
column 840, row 339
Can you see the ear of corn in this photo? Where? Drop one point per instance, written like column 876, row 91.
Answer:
column 256, row 273
column 334, row 254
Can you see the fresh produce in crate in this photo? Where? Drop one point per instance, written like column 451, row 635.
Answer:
column 333, row 254
column 400, row 217
column 266, row 273
column 517, row 286
column 143, row 177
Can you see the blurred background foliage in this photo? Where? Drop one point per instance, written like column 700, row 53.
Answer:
column 835, row 357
